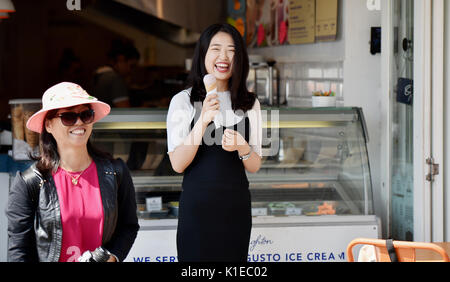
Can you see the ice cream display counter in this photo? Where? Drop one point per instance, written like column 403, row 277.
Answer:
column 311, row 197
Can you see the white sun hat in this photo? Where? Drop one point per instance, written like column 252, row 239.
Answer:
column 65, row 95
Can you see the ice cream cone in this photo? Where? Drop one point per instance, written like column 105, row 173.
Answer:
column 17, row 122
column 210, row 83
column 32, row 138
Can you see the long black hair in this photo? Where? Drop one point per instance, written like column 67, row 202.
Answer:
column 241, row 98
column 48, row 158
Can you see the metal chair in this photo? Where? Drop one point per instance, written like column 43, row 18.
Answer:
column 405, row 251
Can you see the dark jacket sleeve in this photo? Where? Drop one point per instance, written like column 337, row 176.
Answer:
column 21, row 212
column 127, row 221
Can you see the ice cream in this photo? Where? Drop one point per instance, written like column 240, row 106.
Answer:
column 17, row 122
column 211, row 88
column 226, row 117
column 210, row 83
column 31, row 137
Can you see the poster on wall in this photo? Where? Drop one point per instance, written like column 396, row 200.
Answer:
column 261, row 21
column 266, row 22
column 302, row 21
column 281, row 22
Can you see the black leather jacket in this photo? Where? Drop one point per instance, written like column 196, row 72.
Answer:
column 34, row 217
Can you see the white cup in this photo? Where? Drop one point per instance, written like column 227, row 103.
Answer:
column 324, row 101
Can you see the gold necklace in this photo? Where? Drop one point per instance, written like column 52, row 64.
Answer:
column 75, row 179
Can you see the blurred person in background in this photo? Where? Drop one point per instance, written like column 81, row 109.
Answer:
column 109, row 83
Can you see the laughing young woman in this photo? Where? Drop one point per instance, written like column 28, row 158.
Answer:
column 214, row 220
column 74, row 199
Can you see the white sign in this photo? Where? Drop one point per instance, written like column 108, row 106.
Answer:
column 153, row 203
column 154, row 246
column 267, row 244
column 305, row 243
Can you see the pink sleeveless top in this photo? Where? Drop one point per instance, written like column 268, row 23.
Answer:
column 81, row 212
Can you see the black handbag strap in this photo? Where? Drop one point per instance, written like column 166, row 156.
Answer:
column 391, row 250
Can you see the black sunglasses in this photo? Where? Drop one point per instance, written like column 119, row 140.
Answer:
column 70, row 118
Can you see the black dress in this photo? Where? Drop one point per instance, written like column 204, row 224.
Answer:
column 215, row 220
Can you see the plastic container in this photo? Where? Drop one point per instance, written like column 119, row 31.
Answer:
column 24, row 140
column 174, row 208
column 280, row 208
column 324, row 101
column 174, row 211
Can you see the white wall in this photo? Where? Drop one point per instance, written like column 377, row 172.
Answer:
column 362, row 88
column 362, row 81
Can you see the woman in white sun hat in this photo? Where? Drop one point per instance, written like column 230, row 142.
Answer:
column 74, row 199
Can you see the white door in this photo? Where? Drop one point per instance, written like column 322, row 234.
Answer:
column 429, row 139
column 417, row 52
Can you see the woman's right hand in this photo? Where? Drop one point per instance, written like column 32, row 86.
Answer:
column 184, row 154
column 210, row 108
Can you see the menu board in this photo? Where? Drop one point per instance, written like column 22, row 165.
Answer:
column 326, row 20
column 302, row 21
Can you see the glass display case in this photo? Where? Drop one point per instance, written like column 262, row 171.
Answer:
column 315, row 171
column 315, row 161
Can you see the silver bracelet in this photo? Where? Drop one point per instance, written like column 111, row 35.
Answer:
column 246, row 157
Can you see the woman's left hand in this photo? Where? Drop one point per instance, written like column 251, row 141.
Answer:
column 233, row 140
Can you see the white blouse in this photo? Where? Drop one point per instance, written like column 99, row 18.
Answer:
column 181, row 113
